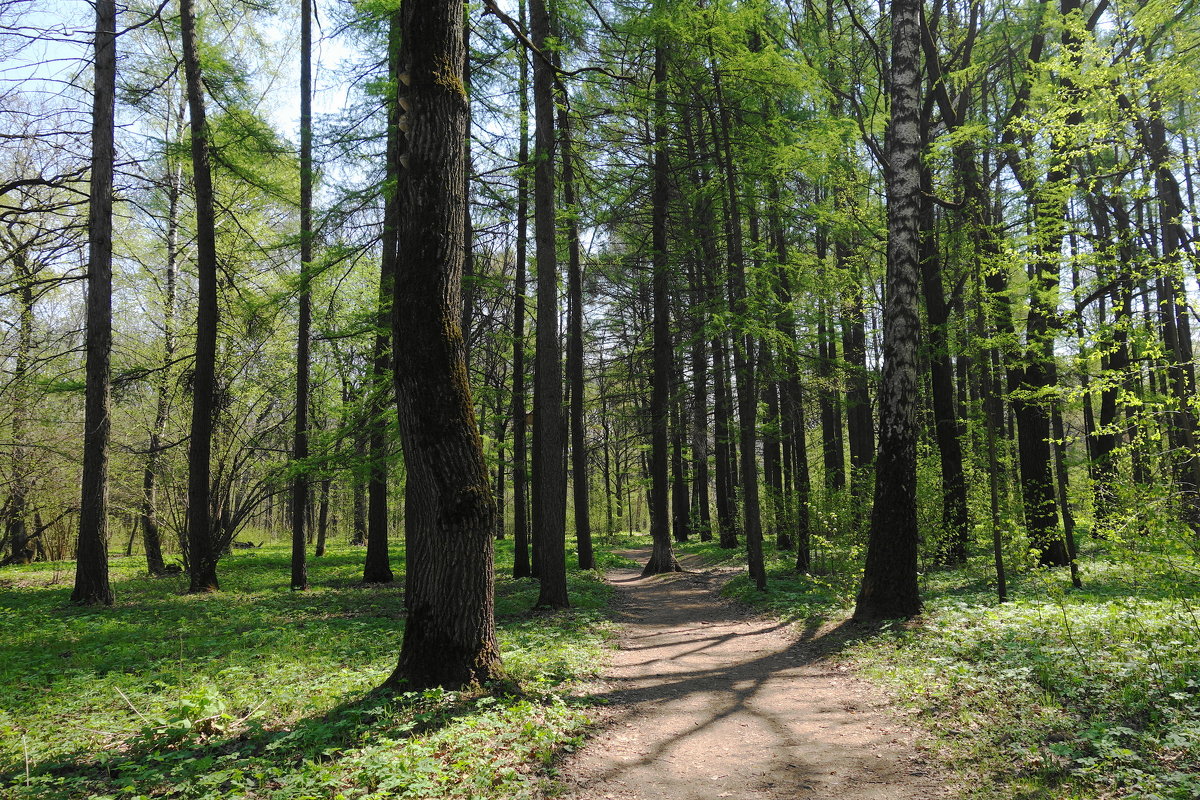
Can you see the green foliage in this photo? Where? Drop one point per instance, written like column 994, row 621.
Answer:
column 261, row 692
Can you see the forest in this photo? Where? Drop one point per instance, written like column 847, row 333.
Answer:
column 378, row 377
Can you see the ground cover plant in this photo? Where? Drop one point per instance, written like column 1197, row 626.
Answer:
column 258, row 691
column 1058, row 693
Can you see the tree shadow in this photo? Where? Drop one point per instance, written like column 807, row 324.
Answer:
column 676, row 668
column 153, row 762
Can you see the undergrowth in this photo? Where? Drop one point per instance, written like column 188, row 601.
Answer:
column 260, row 692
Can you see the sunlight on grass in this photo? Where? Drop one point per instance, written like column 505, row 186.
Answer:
column 258, row 691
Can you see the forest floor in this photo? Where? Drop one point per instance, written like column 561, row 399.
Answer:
column 706, row 700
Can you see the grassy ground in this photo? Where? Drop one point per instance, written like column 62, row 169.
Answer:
column 1059, row 693
column 260, row 692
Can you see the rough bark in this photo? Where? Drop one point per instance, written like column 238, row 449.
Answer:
column 549, row 453
column 20, row 543
column 449, row 635
column 91, row 565
column 202, row 553
column 889, row 585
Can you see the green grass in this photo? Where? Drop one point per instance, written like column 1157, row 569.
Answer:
column 261, row 692
column 1058, row 693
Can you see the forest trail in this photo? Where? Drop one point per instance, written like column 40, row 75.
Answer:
column 707, row 702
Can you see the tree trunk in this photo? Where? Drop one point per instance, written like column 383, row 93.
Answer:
column 955, row 527
column 521, row 565
column 662, row 559
column 377, row 566
column 549, row 453
column 202, row 554
column 303, row 333
column 322, row 519
column 21, row 550
column 681, row 518
column 91, row 566
column 579, row 456
column 889, row 584
column 449, row 635
column 151, row 538
column 744, row 354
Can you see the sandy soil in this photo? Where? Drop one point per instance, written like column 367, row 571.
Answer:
column 707, row 702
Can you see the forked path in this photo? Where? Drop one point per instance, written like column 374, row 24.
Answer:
column 705, row 702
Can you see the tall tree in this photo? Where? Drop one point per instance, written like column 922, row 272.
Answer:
column 304, row 328
column 450, row 633
column 889, row 583
column 521, row 565
column 151, row 538
column 377, row 567
column 549, row 451
column 580, row 484
column 662, row 559
column 202, row 551
column 91, row 564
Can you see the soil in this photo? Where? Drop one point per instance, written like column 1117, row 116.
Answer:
column 704, row 701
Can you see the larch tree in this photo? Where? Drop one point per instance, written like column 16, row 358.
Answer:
column 449, row 633
column 662, row 559
column 304, row 327
column 549, row 434
column 91, row 559
column 202, row 551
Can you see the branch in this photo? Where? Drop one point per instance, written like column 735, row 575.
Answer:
column 510, row 23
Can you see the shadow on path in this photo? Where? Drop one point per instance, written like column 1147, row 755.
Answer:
column 707, row 702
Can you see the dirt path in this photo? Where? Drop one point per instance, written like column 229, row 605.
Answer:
column 706, row 702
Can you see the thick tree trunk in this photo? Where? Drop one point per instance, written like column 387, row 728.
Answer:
column 202, row 554
column 889, row 584
column 91, row 565
column 549, row 452
column 449, row 636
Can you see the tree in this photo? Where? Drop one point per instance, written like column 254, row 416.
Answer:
column 549, row 440
column 91, row 564
column 377, row 567
column 521, row 565
column 889, row 583
column 661, row 559
column 449, row 633
column 202, row 552
column 304, row 330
